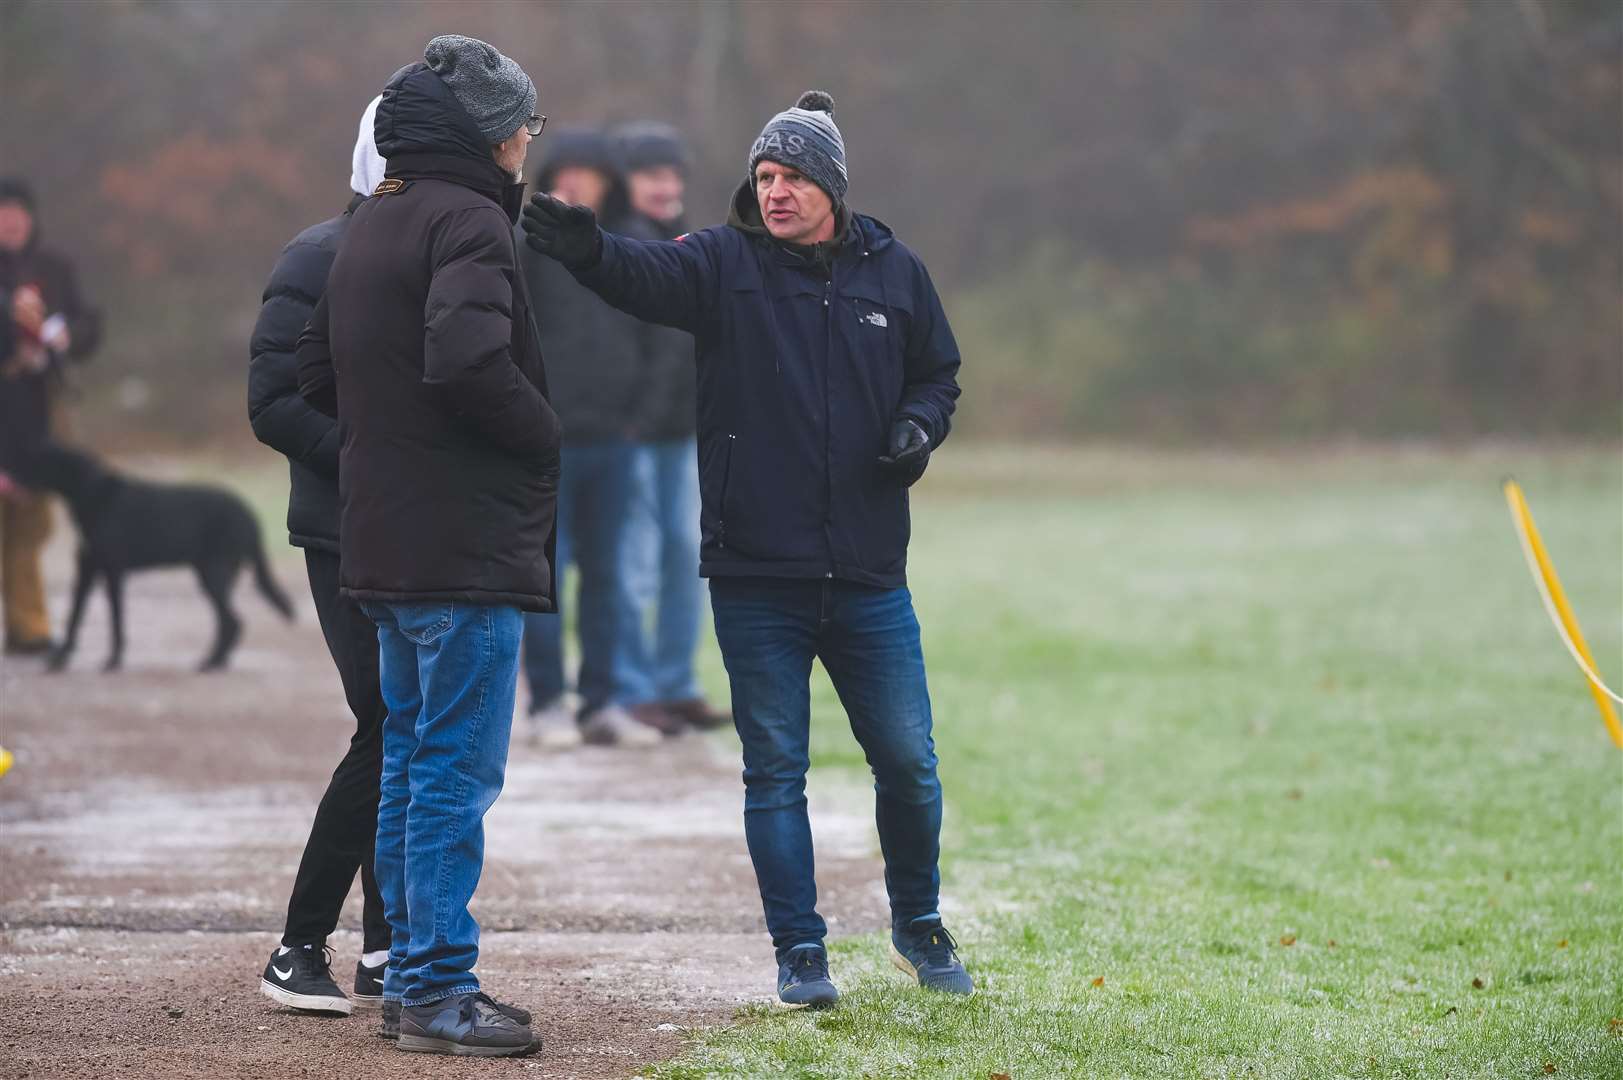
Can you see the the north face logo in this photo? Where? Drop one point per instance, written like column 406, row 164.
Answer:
column 876, row 318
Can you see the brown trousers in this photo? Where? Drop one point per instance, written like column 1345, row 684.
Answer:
column 25, row 525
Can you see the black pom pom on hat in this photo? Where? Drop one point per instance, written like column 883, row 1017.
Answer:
column 817, row 101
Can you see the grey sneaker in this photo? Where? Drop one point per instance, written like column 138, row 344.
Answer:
column 390, row 1027
column 553, row 728
column 613, row 726
column 465, row 1025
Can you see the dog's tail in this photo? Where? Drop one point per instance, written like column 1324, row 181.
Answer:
column 267, row 585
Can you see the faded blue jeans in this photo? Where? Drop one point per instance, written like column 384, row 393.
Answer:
column 597, row 500
column 770, row 630
column 664, row 570
column 449, row 673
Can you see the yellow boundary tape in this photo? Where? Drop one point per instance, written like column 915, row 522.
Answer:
column 1556, row 606
column 5, row 761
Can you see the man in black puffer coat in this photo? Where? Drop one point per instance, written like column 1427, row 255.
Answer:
column 346, row 819
column 424, row 349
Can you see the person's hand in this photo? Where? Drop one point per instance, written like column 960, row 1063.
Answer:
column 28, row 310
column 562, row 231
column 909, row 452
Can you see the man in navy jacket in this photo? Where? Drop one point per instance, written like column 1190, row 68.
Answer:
column 826, row 374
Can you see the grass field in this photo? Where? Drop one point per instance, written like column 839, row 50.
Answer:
column 1255, row 767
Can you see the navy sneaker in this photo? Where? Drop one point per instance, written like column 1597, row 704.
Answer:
column 368, row 985
column 466, row 1025
column 925, row 950
column 803, row 980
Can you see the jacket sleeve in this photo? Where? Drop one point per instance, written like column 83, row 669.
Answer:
column 670, row 282
column 468, row 332
column 930, row 387
column 317, row 384
column 281, row 418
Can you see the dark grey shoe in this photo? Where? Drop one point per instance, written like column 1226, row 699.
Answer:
column 390, row 1027
column 466, row 1025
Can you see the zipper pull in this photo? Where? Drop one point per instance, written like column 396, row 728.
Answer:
column 828, row 287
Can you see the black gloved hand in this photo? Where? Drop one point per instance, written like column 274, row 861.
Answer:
column 909, row 452
column 561, row 231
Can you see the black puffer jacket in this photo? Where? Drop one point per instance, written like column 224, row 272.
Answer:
column 281, row 419
column 596, row 355
column 669, row 401
column 424, row 348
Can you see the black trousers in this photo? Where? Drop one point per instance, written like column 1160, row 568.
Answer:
column 346, row 825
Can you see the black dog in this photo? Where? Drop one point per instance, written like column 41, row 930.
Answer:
column 127, row 524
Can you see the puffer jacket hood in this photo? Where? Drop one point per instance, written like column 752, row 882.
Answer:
column 420, row 115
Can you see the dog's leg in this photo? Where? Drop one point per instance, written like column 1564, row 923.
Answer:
column 115, row 604
column 82, row 582
column 217, row 579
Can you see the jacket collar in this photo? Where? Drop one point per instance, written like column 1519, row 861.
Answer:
column 485, row 177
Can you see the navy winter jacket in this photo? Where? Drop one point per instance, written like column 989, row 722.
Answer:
column 804, row 363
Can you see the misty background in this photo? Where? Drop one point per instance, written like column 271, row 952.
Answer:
column 1227, row 221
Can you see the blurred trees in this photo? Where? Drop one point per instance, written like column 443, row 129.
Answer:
column 1186, row 220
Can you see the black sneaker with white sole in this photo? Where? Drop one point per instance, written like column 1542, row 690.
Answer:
column 368, row 985
column 301, row 978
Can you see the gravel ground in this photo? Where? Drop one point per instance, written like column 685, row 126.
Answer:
column 151, row 827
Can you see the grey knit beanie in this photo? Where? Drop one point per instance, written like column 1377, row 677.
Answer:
column 805, row 138
column 493, row 90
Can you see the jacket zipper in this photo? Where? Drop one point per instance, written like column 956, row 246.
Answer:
column 828, row 421
column 726, row 478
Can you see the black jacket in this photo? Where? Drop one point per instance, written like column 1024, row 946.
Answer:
column 424, row 349
column 281, row 419
column 25, row 398
column 596, row 366
column 805, row 359
column 669, row 401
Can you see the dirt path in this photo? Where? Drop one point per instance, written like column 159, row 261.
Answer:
column 151, row 827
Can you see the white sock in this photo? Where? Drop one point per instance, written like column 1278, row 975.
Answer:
column 375, row 959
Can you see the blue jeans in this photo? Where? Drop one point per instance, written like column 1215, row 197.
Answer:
column 597, row 496
column 449, row 673
column 665, row 550
column 868, row 640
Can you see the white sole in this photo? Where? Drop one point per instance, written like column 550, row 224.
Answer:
column 305, row 1002
column 367, row 1002
column 901, row 962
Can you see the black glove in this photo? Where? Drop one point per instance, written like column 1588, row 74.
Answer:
column 561, row 231
column 909, row 452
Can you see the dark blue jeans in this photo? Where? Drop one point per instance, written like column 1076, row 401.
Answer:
column 868, row 640
column 597, row 497
column 449, row 673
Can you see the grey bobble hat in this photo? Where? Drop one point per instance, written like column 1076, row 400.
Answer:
column 805, row 138
column 490, row 87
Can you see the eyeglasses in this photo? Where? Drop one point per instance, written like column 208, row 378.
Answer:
column 535, row 124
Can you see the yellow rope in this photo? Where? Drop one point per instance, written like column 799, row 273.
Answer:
column 1556, row 606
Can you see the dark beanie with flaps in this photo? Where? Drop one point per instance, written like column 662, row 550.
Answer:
column 806, row 139
column 491, row 88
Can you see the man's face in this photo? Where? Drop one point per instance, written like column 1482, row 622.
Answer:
column 794, row 209
column 657, row 192
column 580, row 185
column 510, row 153
column 16, row 226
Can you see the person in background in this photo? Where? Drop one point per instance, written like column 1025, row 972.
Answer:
column 424, row 349
column 50, row 325
column 827, row 375
column 664, row 545
column 596, row 372
column 298, row 973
